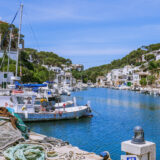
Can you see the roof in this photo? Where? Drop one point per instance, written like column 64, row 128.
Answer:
column 2, row 22
column 68, row 74
column 100, row 77
column 143, row 73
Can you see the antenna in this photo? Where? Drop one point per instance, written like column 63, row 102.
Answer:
column 19, row 36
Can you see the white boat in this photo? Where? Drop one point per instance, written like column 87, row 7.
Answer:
column 26, row 108
column 64, row 91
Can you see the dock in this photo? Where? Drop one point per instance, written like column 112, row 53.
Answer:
column 63, row 152
column 67, row 150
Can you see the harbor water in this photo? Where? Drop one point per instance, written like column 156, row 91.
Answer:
column 116, row 113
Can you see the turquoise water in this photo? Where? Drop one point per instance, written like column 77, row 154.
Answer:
column 116, row 113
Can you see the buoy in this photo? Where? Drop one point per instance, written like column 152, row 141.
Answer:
column 105, row 155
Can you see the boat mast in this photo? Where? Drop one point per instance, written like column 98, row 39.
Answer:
column 19, row 36
column 9, row 49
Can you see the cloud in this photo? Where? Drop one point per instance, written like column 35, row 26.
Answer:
column 91, row 11
column 82, row 51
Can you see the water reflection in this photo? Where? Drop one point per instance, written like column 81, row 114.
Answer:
column 123, row 103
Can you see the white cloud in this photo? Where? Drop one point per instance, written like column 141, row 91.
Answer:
column 44, row 11
column 81, row 51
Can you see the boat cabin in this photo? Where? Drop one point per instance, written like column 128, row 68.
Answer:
column 23, row 103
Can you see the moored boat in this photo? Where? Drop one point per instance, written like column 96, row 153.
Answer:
column 25, row 107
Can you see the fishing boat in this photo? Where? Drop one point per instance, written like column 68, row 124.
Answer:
column 25, row 106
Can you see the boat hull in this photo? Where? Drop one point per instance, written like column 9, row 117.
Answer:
column 54, row 116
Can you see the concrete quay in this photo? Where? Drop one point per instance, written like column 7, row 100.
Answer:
column 67, row 152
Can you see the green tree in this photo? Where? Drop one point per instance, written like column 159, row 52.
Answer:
column 143, row 82
column 152, row 65
column 149, row 57
column 151, row 79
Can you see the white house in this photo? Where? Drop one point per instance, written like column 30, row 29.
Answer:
column 68, row 78
column 78, row 67
column 55, row 69
column 136, row 79
column 67, row 69
column 64, row 78
column 116, row 76
column 109, row 78
column 101, row 81
column 158, row 57
column 122, row 75
column 5, row 78
column 59, row 78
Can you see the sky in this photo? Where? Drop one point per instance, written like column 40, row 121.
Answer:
column 89, row 32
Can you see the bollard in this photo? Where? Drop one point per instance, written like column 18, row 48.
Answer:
column 138, row 148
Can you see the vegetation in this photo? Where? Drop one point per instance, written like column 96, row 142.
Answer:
column 151, row 79
column 47, row 58
column 152, row 47
column 32, row 70
column 133, row 58
column 5, row 31
column 149, row 57
column 143, row 82
column 30, row 64
column 30, row 60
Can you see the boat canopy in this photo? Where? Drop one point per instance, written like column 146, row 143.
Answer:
column 29, row 85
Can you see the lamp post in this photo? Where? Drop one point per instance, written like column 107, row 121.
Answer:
column 138, row 135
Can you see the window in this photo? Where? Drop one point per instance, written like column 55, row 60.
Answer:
column 5, row 75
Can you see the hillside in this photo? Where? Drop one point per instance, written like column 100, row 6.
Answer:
column 46, row 58
column 133, row 58
column 30, row 60
column 30, row 65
